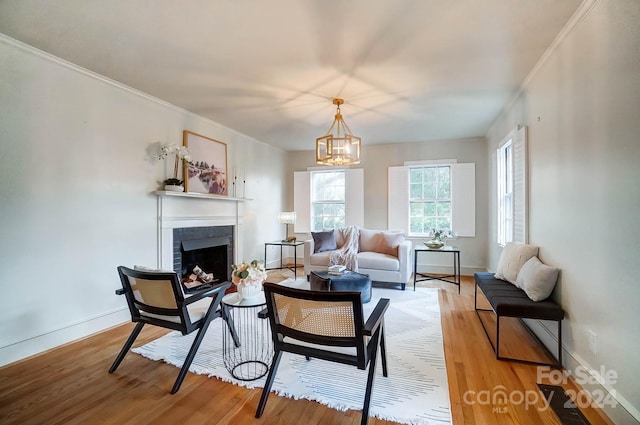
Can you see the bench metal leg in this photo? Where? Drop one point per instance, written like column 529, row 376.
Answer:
column 557, row 363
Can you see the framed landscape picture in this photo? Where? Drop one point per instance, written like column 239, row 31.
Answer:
column 207, row 172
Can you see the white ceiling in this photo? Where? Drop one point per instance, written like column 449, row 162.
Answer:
column 409, row 70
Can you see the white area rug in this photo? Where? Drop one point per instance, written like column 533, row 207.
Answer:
column 415, row 392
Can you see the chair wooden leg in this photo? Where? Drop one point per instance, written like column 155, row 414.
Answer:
column 232, row 328
column 190, row 356
column 371, row 375
column 268, row 383
column 383, row 352
column 126, row 347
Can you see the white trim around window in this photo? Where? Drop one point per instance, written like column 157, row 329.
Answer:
column 354, row 197
column 512, row 189
column 463, row 195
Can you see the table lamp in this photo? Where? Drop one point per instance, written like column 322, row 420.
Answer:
column 287, row 218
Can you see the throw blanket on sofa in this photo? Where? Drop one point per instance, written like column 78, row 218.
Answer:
column 348, row 254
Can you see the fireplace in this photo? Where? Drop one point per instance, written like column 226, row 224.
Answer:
column 200, row 229
column 210, row 248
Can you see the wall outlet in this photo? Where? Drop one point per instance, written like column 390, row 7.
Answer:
column 593, row 341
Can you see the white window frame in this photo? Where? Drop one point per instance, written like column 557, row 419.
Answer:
column 463, row 196
column 435, row 200
column 516, row 226
column 505, row 191
column 333, row 202
column 354, row 197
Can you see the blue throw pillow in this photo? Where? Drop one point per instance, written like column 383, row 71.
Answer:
column 324, row 241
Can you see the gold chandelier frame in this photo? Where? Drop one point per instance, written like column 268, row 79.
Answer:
column 338, row 146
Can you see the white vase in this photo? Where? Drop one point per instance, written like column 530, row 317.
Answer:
column 248, row 292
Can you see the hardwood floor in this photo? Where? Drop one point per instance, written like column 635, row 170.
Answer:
column 70, row 384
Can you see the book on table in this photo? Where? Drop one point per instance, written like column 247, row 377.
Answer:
column 337, row 269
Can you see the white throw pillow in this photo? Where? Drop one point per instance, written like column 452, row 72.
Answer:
column 537, row 279
column 513, row 257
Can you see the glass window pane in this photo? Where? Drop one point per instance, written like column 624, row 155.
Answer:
column 429, row 198
column 429, row 209
column 430, row 174
column 415, row 209
column 415, row 175
column 443, row 223
column 429, row 191
column 444, row 191
column 416, row 191
column 443, row 209
column 328, row 191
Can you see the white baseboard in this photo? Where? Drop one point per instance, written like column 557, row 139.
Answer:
column 38, row 344
column 617, row 407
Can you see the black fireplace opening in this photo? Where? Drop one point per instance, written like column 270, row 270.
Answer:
column 209, row 248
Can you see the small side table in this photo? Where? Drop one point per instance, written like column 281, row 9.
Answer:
column 419, row 277
column 281, row 244
column 249, row 360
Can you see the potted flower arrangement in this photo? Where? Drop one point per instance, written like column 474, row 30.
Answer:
column 181, row 154
column 248, row 278
column 438, row 237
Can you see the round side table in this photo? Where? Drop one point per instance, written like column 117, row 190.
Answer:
column 251, row 359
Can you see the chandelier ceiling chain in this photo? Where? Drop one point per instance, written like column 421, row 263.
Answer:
column 338, row 146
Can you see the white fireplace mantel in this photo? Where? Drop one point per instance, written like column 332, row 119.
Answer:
column 188, row 209
column 194, row 195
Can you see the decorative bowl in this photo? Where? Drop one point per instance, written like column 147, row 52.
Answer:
column 434, row 244
column 173, row 188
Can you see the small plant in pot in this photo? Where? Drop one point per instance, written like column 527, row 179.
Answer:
column 181, row 154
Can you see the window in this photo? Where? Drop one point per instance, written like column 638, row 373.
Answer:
column 505, row 192
column 429, row 199
column 511, row 177
column 327, row 200
column 432, row 194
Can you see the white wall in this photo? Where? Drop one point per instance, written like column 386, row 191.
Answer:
column 76, row 194
column 583, row 108
column 376, row 159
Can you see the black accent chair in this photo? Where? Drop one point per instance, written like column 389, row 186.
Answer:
column 157, row 298
column 315, row 323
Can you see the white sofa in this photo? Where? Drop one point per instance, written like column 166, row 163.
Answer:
column 380, row 267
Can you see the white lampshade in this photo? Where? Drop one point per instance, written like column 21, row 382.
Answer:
column 287, row 217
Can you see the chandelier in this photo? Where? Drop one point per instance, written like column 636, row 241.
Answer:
column 338, row 146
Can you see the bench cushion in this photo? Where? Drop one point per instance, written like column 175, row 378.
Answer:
column 508, row 300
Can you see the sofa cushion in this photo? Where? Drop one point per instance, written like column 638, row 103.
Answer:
column 324, row 241
column 339, row 233
column 388, row 243
column 368, row 240
column 377, row 261
column 513, row 257
column 320, row 258
column 537, row 279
